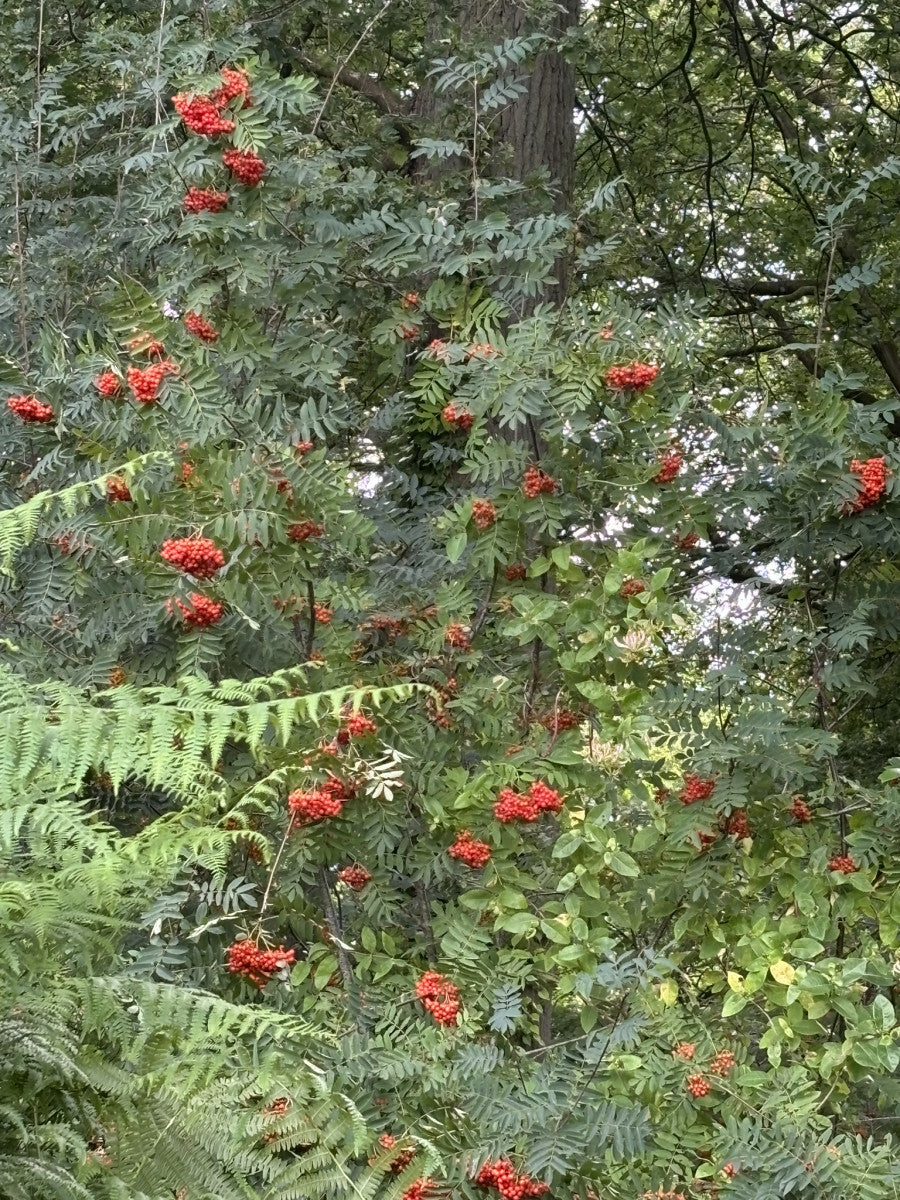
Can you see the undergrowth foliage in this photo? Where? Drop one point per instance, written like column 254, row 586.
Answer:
column 390, row 805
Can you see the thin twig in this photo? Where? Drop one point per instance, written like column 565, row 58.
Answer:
column 356, row 45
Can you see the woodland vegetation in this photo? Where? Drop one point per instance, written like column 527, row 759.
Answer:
column 449, row 600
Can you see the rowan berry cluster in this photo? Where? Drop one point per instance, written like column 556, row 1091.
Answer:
column 410, row 300
column 535, row 482
column 455, row 635
column 145, row 381
column 402, row 1159
column 391, row 627
column 318, row 805
column 632, row 587
column 146, row 343
column 199, row 557
column 200, row 200
column 440, row 997
column 358, row 725
column 636, row 377
column 482, row 350
column 737, row 825
column 198, row 325
column 483, row 514
column 696, row 788
column 201, row 114
column 200, row 613
column 117, row 677
column 323, row 613
column 108, row 383
column 561, row 719
column 460, row 417
column 515, row 806
column 503, row 1177
column 685, row 1050
column 355, row 877
column 235, row 82
column 302, row 531
column 245, row 165
column 670, row 462
column 277, row 1108
column 685, row 541
column 303, row 448
column 515, row 571
column 469, row 850
column 722, row 1063
column 873, row 474
column 117, row 488
column 843, row 863
column 729, row 1170
column 800, row 810
column 187, row 471
column 418, row 1189
column 698, row 1086
column 30, row 410
column 258, row 965
column 437, row 348
column 407, row 332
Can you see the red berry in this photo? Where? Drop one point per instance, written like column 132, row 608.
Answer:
column 535, row 482
column 800, row 810
column 301, row 531
column 455, row 635
column 146, row 343
column 632, row 587
column 460, row 417
column 117, row 488
column 410, row 300
column 200, row 200
column 359, row 725
column 440, row 997
column 483, row 514
column 354, row 877
column 469, row 850
column 722, row 1063
column 30, row 410
column 317, row 805
column 737, row 825
column 561, row 719
column 200, row 327
column 515, row 571
column 245, row 165
column 201, row 114
column 670, row 462
column 418, row 1190
column 145, row 381
column 199, row 557
column 843, row 863
column 684, row 1050
column 200, row 613
column 108, row 383
column 685, row 541
column 235, row 82
column 512, row 806
column 323, row 613
column 698, row 1086
column 695, row 788
column 258, row 965
column 482, row 350
column 873, row 475
column 636, row 377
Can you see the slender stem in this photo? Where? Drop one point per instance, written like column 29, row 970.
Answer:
column 277, row 860
column 356, row 45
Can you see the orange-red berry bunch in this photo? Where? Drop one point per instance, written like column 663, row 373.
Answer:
column 200, row 200
column 117, row 488
column 200, row 557
column 247, row 958
column 706, row 839
column 670, row 462
column 235, row 82
column 418, row 1189
column 503, row 1177
column 636, row 377
column 843, row 863
column 355, row 877
column 800, row 810
column 515, row 806
column 302, row 531
column 440, row 997
column 201, row 114
column 410, row 300
column 323, row 613
column 536, row 482
column 407, row 332
column 145, row 381
column 515, row 571
column 873, row 474
column 358, row 725
column 146, row 343
column 469, row 850
column 561, row 719
column 482, row 350
column 277, row 1108
column 483, row 514
column 456, row 636
column 318, row 805
column 303, row 448
column 722, row 1063
column 245, row 165
column 460, row 417
column 696, row 788
column 200, row 613
column 698, row 1086
column 632, row 587
column 30, row 410
column 403, row 1158
column 737, row 825
column 199, row 326
column 684, row 1050
column 685, row 541
column 108, row 383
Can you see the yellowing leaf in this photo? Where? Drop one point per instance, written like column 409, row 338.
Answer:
column 668, row 992
column 735, row 981
column 782, row 972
